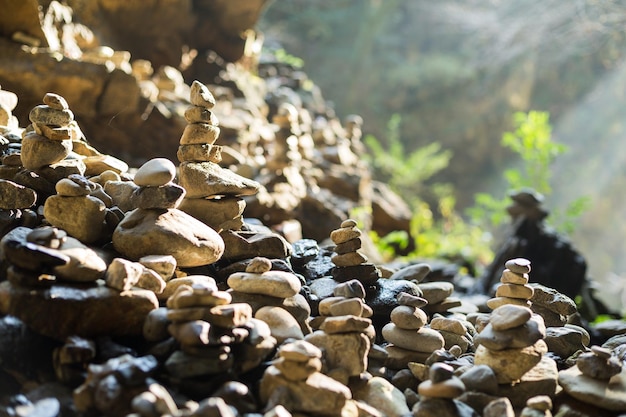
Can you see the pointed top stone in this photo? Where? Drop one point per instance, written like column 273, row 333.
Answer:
column 201, row 96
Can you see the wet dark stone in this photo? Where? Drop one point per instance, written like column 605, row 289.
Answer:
column 303, row 251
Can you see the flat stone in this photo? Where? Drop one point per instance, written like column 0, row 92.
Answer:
column 345, row 324
column 501, row 407
column 517, row 337
column 349, row 259
column 200, row 133
column 415, row 273
column 199, row 152
column 509, row 316
column 62, row 310
column 564, row 341
column 242, row 245
column 85, row 264
column 524, row 292
column 367, row 273
column 351, row 245
column 191, row 333
column 344, row 234
column 496, row 302
column 422, row 340
column 539, row 380
column 605, row 394
column 410, row 300
column 399, row 358
column 174, row 283
column 230, row 315
column 348, row 306
column 598, row 366
column 68, row 188
column 48, row 115
column 518, row 265
column 436, row 292
column 16, row 196
column 510, row 277
column 155, row 172
column 275, row 283
column 205, row 179
column 167, row 232
column 200, row 114
column 214, row 212
column 409, row 318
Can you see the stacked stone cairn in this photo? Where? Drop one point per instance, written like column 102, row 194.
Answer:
column 214, row 335
column 409, row 338
column 157, row 227
column 274, row 298
column 438, row 393
column 455, row 332
column 514, row 288
column 214, row 195
column 294, row 381
column 597, row 379
column 511, row 343
column 349, row 262
column 345, row 333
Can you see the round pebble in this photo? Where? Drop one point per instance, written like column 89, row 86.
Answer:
column 156, row 172
column 540, row 402
column 348, row 223
column 68, row 188
column 601, row 351
column 410, row 300
column 440, row 372
column 518, row 265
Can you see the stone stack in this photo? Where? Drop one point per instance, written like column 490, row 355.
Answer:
column 214, row 334
column 214, row 195
column 88, row 222
column 512, row 343
column 409, row 338
column 345, row 333
column 274, row 297
column 50, row 140
column 514, row 288
column 157, row 227
column 597, row 379
column 349, row 262
column 454, row 331
column 438, row 393
column 285, row 151
column 294, row 381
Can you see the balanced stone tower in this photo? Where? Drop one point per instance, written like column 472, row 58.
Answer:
column 514, row 288
column 214, row 194
column 349, row 262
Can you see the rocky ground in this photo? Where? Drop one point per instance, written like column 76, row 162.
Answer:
column 224, row 275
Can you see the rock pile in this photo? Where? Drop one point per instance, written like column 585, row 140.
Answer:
column 513, row 288
column 214, row 195
column 349, row 262
column 410, row 340
column 512, row 343
column 438, row 395
column 157, row 227
column 345, row 333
